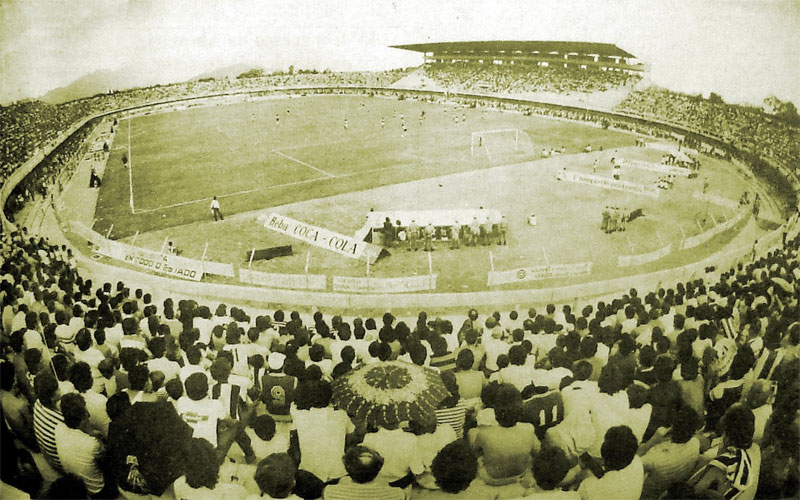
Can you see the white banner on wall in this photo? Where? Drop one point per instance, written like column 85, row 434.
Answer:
column 384, row 285
column 539, row 273
column 346, row 246
column 643, row 258
column 172, row 265
column 218, row 268
column 87, row 234
column 117, row 250
column 608, row 183
column 701, row 238
column 656, row 167
column 716, row 200
column 277, row 280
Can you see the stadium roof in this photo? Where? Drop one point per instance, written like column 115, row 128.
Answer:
column 494, row 46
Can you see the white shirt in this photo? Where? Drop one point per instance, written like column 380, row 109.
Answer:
column 321, row 433
column 96, row 406
column 625, row 484
column 170, row 369
column 399, row 451
column 202, row 416
column 77, row 452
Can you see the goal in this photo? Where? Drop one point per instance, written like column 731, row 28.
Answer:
column 501, row 142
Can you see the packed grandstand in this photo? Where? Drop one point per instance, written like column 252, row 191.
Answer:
column 689, row 389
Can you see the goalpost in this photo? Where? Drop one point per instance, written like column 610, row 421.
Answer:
column 501, row 144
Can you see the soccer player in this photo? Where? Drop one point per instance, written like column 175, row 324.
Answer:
column 455, row 235
column 412, row 234
column 383, row 123
column 430, row 232
column 346, row 125
column 277, row 119
column 503, row 228
column 215, row 210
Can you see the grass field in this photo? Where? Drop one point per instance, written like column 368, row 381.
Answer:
column 240, row 154
column 309, row 167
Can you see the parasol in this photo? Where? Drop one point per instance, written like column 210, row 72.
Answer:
column 389, row 392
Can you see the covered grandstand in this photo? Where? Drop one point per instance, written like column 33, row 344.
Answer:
column 569, row 55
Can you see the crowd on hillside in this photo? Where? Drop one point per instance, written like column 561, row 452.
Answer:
column 29, row 126
column 745, row 127
column 690, row 391
column 520, row 79
column 50, row 175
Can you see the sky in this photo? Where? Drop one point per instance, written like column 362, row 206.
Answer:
column 744, row 50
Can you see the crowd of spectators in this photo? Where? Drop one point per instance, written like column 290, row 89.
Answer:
column 747, row 128
column 50, row 175
column 30, row 127
column 523, row 78
column 689, row 391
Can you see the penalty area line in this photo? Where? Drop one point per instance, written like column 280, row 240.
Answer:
column 254, row 190
column 328, row 174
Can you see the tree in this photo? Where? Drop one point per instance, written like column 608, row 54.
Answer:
column 291, row 69
column 715, row 98
column 105, row 147
column 785, row 111
column 252, row 73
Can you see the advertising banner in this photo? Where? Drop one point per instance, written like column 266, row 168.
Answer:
column 278, row 280
column 217, row 268
column 384, row 285
column 87, row 234
column 171, row 265
column 701, row 238
column 656, row 167
column 643, row 258
column 539, row 273
column 716, row 200
column 118, row 251
column 320, row 237
column 609, row 183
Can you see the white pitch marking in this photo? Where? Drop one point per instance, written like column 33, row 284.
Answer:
column 254, row 190
column 302, row 163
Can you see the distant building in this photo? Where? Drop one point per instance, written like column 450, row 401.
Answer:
column 575, row 55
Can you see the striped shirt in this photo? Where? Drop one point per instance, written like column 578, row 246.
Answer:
column 231, row 396
column 444, row 363
column 767, row 362
column 454, row 417
column 45, row 422
column 348, row 490
column 736, row 464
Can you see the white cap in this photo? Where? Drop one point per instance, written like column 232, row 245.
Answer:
column 275, row 360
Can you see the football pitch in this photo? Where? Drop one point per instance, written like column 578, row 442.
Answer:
column 328, row 160
column 267, row 153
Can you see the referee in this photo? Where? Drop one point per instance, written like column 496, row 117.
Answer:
column 215, row 210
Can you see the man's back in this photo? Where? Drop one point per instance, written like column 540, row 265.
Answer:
column 278, row 393
column 346, row 489
column 507, row 450
column 78, row 452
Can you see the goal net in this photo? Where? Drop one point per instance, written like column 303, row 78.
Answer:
column 499, row 145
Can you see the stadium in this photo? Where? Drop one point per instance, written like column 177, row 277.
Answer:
column 544, row 186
